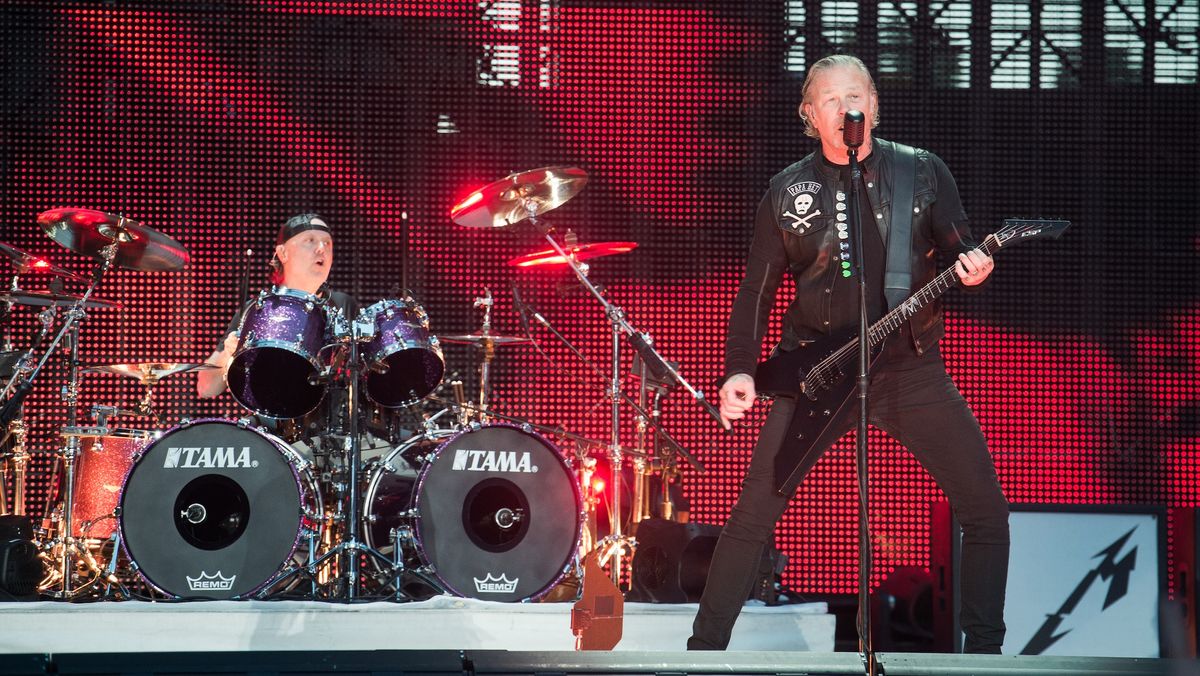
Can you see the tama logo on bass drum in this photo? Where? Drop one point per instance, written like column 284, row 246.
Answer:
column 208, row 457
column 472, row 460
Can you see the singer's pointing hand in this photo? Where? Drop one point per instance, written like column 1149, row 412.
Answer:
column 737, row 396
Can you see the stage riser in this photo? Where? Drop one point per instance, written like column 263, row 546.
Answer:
column 498, row 663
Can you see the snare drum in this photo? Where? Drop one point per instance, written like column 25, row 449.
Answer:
column 495, row 511
column 279, row 354
column 215, row 510
column 405, row 360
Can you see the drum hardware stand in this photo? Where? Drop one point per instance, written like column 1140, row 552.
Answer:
column 614, row 544
column 18, row 459
column 351, row 547
column 68, row 545
column 591, row 500
column 655, row 453
column 460, row 396
column 400, row 537
column 110, row 571
column 489, row 353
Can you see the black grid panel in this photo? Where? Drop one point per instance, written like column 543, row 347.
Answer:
column 215, row 121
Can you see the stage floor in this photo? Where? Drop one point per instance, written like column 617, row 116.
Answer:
column 441, row 623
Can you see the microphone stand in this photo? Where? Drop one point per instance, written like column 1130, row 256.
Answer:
column 866, row 648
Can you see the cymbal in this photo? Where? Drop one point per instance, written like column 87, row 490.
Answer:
column 48, row 298
column 150, row 371
column 139, row 247
column 507, row 201
column 24, row 261
column 581, row 252
column 480, row 338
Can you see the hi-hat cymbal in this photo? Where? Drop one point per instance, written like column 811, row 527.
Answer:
column 581, row 252
column 27, row 262
column 150, row 371
column 48, row 298
column 510, row 199
column 482, row 338
column 139, row 247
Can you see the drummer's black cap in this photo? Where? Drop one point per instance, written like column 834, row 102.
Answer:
column 301, row 223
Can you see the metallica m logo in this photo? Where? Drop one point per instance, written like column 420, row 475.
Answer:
column 472, row 460
column 1115, row 571
column 208, row 457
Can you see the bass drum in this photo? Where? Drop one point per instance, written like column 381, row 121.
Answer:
column 495, row 511
column 214, row 510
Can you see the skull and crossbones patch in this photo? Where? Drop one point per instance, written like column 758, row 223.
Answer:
column 801, row 214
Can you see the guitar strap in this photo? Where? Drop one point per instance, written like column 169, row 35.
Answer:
column 897, row 274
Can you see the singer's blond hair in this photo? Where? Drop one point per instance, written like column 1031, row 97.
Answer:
column 835, row 61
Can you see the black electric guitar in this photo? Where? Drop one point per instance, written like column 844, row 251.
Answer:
column 820, row 374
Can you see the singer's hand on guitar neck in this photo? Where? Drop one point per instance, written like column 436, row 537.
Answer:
column 737, row 396
column 973, row 267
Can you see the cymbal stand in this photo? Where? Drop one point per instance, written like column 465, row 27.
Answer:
column 488, row 347
column 351, row 548
column 14, row 412
column 614, row 544
column 146, row 405
column 65, row 540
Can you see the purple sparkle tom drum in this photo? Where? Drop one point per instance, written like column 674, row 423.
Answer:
column 274, row 370
column 405, row 361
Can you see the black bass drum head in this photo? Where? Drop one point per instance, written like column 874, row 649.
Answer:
column 497, row 514
column 211, row 510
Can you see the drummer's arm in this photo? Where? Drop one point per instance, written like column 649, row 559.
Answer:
column 211, row 382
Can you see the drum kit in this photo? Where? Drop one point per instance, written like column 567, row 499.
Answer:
column 466, row 501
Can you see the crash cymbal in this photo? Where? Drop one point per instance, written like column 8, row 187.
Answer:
column 48, row 298
column 508, row 200
column 581, row 252
column 150, row 371
column 27, row 262
column 139, row 247
column 481, row 338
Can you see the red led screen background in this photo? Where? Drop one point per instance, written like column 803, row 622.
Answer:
column 214, row 122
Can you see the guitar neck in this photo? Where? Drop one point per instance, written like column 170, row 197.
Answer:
column 947, row 280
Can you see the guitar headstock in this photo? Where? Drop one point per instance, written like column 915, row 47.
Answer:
column 1025, row 229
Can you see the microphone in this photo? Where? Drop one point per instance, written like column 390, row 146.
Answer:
column 507, row 518
column 854, row 128
column 521, row 310
column 195, row 513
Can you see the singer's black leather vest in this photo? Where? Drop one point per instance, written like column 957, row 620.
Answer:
column 803, row 202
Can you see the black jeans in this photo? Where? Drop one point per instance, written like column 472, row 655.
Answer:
column 918, row 404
